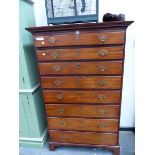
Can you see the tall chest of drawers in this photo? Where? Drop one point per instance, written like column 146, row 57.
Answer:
column 81, row 74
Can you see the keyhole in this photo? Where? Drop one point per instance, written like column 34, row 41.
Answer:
column 78, row 66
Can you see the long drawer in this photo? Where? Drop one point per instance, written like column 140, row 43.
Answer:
column 93, row 97
column 84, row 137
column 82, row 82
column 80, row 38
column 83, row 124
column 97, row 53
column 110, row 67
column 93, row 111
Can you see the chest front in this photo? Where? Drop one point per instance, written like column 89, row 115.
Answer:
column 81, row 74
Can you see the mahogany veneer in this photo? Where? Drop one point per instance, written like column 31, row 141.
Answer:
column 79, row 38
column 81, row 110
column 82, row 82
column 99, row 53
column 81, row 73
column 83, row 97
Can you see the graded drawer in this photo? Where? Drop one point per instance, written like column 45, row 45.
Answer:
column 103, row 53
column 55, row 96
column 83, row 124
column 84, row 137
column 79, row 82
column 80, row 38
column 54, row 68
column 93, row 111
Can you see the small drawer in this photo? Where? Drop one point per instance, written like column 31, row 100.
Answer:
column 83, row 124
column 93, row 97
column 97, row 53
column 82, row 82
column 54, row 68
column 84, row 137
column 80, row 38
column 93, row 111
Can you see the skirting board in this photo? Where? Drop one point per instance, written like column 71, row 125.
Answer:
column 32, row 90
column 34, row 142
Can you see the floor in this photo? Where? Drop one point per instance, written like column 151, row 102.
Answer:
column 127, row 145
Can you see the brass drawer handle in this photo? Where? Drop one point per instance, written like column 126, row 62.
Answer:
column 101, row 125
column 102, row 52
column 102, row 83
column 60, row 110
column 59, row 96
column 101, row 97
column 102, row 37
column 101, row 111
column 61, row 123
column 52, row 40
column 101, row 68
column 55, row 54
column 57, row 82
column 56, row 68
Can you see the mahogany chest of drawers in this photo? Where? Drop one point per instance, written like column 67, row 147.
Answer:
column 81, row 74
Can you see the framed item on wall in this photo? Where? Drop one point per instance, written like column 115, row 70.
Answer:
column 71, row 11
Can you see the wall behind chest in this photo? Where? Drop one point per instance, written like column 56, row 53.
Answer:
column 120, row 6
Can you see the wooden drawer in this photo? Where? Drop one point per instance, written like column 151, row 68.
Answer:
column 110, row 67
column 55, row 96
column 104, row 53
column 82, row 82
column 93, row 111
column 83, row 124
column 80, row 38
column 84, row 137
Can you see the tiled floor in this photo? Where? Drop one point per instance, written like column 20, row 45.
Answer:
column 127, row 145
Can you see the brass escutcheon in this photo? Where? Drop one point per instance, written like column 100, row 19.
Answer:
column 52, row 40
column 78, row 66
column 78, row 79
column 78, row 52
column 101, row 68
column 101, row 125
column 59, row 96
column 77, row 35
column 56, row 68
column 101, row 111
column 81, row 109
column 57, row 82
column 102, row 52
column 101, row 97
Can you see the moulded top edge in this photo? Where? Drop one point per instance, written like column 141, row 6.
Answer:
column 116, row 24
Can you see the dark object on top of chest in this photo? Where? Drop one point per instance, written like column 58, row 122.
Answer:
column 113, row 17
